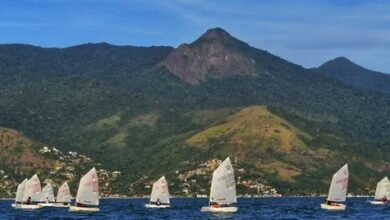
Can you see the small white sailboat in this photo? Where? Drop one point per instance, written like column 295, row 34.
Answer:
column 20, row 193
column 160, row 195
column 47, row 196
column 382, row 192
column 63, row 196
column 223, row 189
column 87, row 199
column 32, row 194
column 338, row 190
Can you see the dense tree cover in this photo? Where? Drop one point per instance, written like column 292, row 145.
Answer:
column 58, row 96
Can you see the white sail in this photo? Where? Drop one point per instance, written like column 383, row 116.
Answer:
column 88, row 192
column 382, row 189
column 20, row 191
column 63, row 195
column 32, row 189
column 339, row 186
column 223, row 185
column 160, row 191
column 47, row 194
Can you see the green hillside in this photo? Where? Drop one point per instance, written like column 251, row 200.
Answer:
column 122, row 107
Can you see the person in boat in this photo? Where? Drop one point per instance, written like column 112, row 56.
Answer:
column 80, row 204
column 47, row 199
column 384, row 200
column 328, row 202
column 158, row 202
column 28, row 202
column 215, row 205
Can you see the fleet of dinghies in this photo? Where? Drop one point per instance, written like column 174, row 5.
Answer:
column 223, row 196
column 29, row 195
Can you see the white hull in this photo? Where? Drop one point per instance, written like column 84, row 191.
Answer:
column 337, row 207
column 157, row 206
column 83, row 209
column 221, row 209
column 46, row 204
column 25, row 206
column 374, row 202
column 54, row 205
column 59, row 205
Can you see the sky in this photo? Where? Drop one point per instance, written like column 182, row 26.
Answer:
column 306, row 32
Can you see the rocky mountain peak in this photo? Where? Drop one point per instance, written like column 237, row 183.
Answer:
column 216, row 54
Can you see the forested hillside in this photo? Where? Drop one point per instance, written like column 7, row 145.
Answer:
column 125, row 108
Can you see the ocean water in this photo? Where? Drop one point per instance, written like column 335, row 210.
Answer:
column 249, row 208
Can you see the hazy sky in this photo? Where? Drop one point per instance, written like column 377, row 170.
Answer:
column 302, row 31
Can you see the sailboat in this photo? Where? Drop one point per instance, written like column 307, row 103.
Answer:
column 160, row 195
column 63, row 196
column 87, row 199
column 338, row 190
column 32, row 194
column 47, row 196
column 19, row 193
column 223, row 189
column 382, row 192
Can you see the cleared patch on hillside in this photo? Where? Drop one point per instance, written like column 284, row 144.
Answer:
column 263, row 140
column 17, row 150
column 252, row 126
column 284, row 171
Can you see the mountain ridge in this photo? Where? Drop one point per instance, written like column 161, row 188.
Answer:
column 350, row 73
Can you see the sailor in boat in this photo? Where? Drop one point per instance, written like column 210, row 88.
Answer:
column 28, row 202
column 330, row 203
column 47, row 199
column 80, row 204
column 384, row 200
column 215, row 205
column 158, row 203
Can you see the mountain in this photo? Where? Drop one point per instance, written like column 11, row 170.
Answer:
column 139, row 109
column 352, row 74
column 216, row 54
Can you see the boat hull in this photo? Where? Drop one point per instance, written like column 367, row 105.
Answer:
column 59, row 205
column 337, row 207
column 25, row 206
column 46, row 204
column 54, row 205
column 157, row 206
column 83, row 209
column 374, row 202
column 220, row 209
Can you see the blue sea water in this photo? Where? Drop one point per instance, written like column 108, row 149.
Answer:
column 249, row 208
